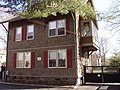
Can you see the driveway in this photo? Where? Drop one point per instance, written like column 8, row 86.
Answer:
column 111, row 87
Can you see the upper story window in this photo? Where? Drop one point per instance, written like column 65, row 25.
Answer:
column 18, row 34
column 57, row 59
column 57, row 28
column 23, row 60
column 86, row 29
column 30, row 32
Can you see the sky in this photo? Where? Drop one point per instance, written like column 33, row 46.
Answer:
column 113, row 44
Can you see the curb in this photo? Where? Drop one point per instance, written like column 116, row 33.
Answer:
column 43, row 86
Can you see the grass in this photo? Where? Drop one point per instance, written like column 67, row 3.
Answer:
column 105, row 71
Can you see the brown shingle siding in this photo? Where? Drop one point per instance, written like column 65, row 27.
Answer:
column 42, row 42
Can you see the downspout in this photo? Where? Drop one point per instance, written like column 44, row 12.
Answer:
column 77, row 55
column 74, row 27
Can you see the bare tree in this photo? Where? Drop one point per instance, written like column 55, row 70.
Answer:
column 111, row 16
column 3, row 37
column 103, row 42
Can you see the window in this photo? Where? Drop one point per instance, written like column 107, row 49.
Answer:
column 57, row 28
column 86, row 31
column 23, row 59
column 57, row 59
column 52, row 28
column 20, row 60
column 61, row 27
column 61, row 58
column 30, row 32
column 18, row 33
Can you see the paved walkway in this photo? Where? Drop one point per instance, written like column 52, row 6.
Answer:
column 50, row 87
column 88, row 87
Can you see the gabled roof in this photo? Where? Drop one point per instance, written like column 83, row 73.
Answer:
column 10, row 19
column 95, row 21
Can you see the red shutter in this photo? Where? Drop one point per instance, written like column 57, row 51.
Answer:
column 14, row 60
column 24, row 32
column 45, row 59
column 69, row 58
column 14, row 38
column 67, row 24
column 33, row 60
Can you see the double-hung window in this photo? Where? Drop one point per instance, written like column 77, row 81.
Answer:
column 23, row 60
column 18, row 34
column 30, row 32
column 57, row 28
column 57, row 59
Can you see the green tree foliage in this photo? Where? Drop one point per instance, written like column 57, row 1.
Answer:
column 115, row 60
column 52, row 7
column 44, row 8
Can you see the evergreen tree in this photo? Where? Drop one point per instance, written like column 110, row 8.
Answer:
column 115, row 60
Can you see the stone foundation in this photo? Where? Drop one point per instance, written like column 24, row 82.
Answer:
column 43, row 80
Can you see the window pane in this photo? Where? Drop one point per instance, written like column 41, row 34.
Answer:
column 61, row 23
column 86, row 29
column 52, row 32
column 52, row 59
column 61, row 58
column 61, row 54
column 20, row 60
column 52, row 55
column 30, row 32
column 20, row 64
column 61, row 27
column 52, row 28
column 52, row 25
column 27, row 60
column 52, row 63
column 61, row 31
column 61, row 63
column 18, row 33
column 20, row 56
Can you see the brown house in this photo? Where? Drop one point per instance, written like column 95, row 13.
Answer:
column 43, row 50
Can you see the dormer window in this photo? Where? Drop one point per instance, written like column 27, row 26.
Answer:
column 57, row 28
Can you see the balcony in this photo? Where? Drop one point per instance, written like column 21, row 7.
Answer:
column 89, row 43
column 89, row 35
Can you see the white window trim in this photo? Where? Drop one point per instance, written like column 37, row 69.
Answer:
column 17, row 60
column 57, row 29
column 57, row 58
column 23, row 60
column 20, row 34
column 33, row 32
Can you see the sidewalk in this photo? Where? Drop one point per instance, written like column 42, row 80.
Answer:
column 53, row 87
column 87, row 87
